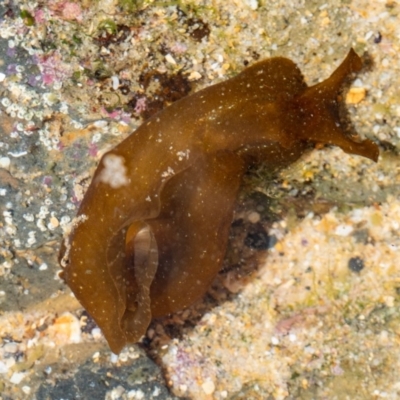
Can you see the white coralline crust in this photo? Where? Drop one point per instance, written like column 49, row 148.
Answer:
column 114, row 172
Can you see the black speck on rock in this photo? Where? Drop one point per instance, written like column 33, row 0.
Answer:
column 260, row 240
column 356, row 264
column 198, row 29
column 87, row 322
column 377, row 38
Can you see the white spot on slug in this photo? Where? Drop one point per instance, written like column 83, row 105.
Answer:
column 183, row 154
column 114, row 172
column 168, row 172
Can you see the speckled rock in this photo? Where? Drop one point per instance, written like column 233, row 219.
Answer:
column 288, row 318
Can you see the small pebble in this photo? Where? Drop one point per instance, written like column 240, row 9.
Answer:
column 26, row 389
column 17, row 377
column 274, row 341
column 356, row 264
column 43, row 267
column 208, row 386
column 11, row 347
column 254, row 217
column 170, row 59
column 5, row 162
column 343, row 230
column 355, row 95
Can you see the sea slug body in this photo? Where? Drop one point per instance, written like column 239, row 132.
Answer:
column 154, row 223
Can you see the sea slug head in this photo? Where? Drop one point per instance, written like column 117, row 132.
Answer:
column 316, row 112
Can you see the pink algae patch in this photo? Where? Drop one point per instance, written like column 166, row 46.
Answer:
column 67, row 10
column 52, row 68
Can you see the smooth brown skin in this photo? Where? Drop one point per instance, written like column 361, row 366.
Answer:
column 153, row 245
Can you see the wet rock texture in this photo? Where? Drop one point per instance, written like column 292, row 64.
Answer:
column 307, row 303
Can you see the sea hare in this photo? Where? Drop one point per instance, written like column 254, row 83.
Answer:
column 152, row 229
